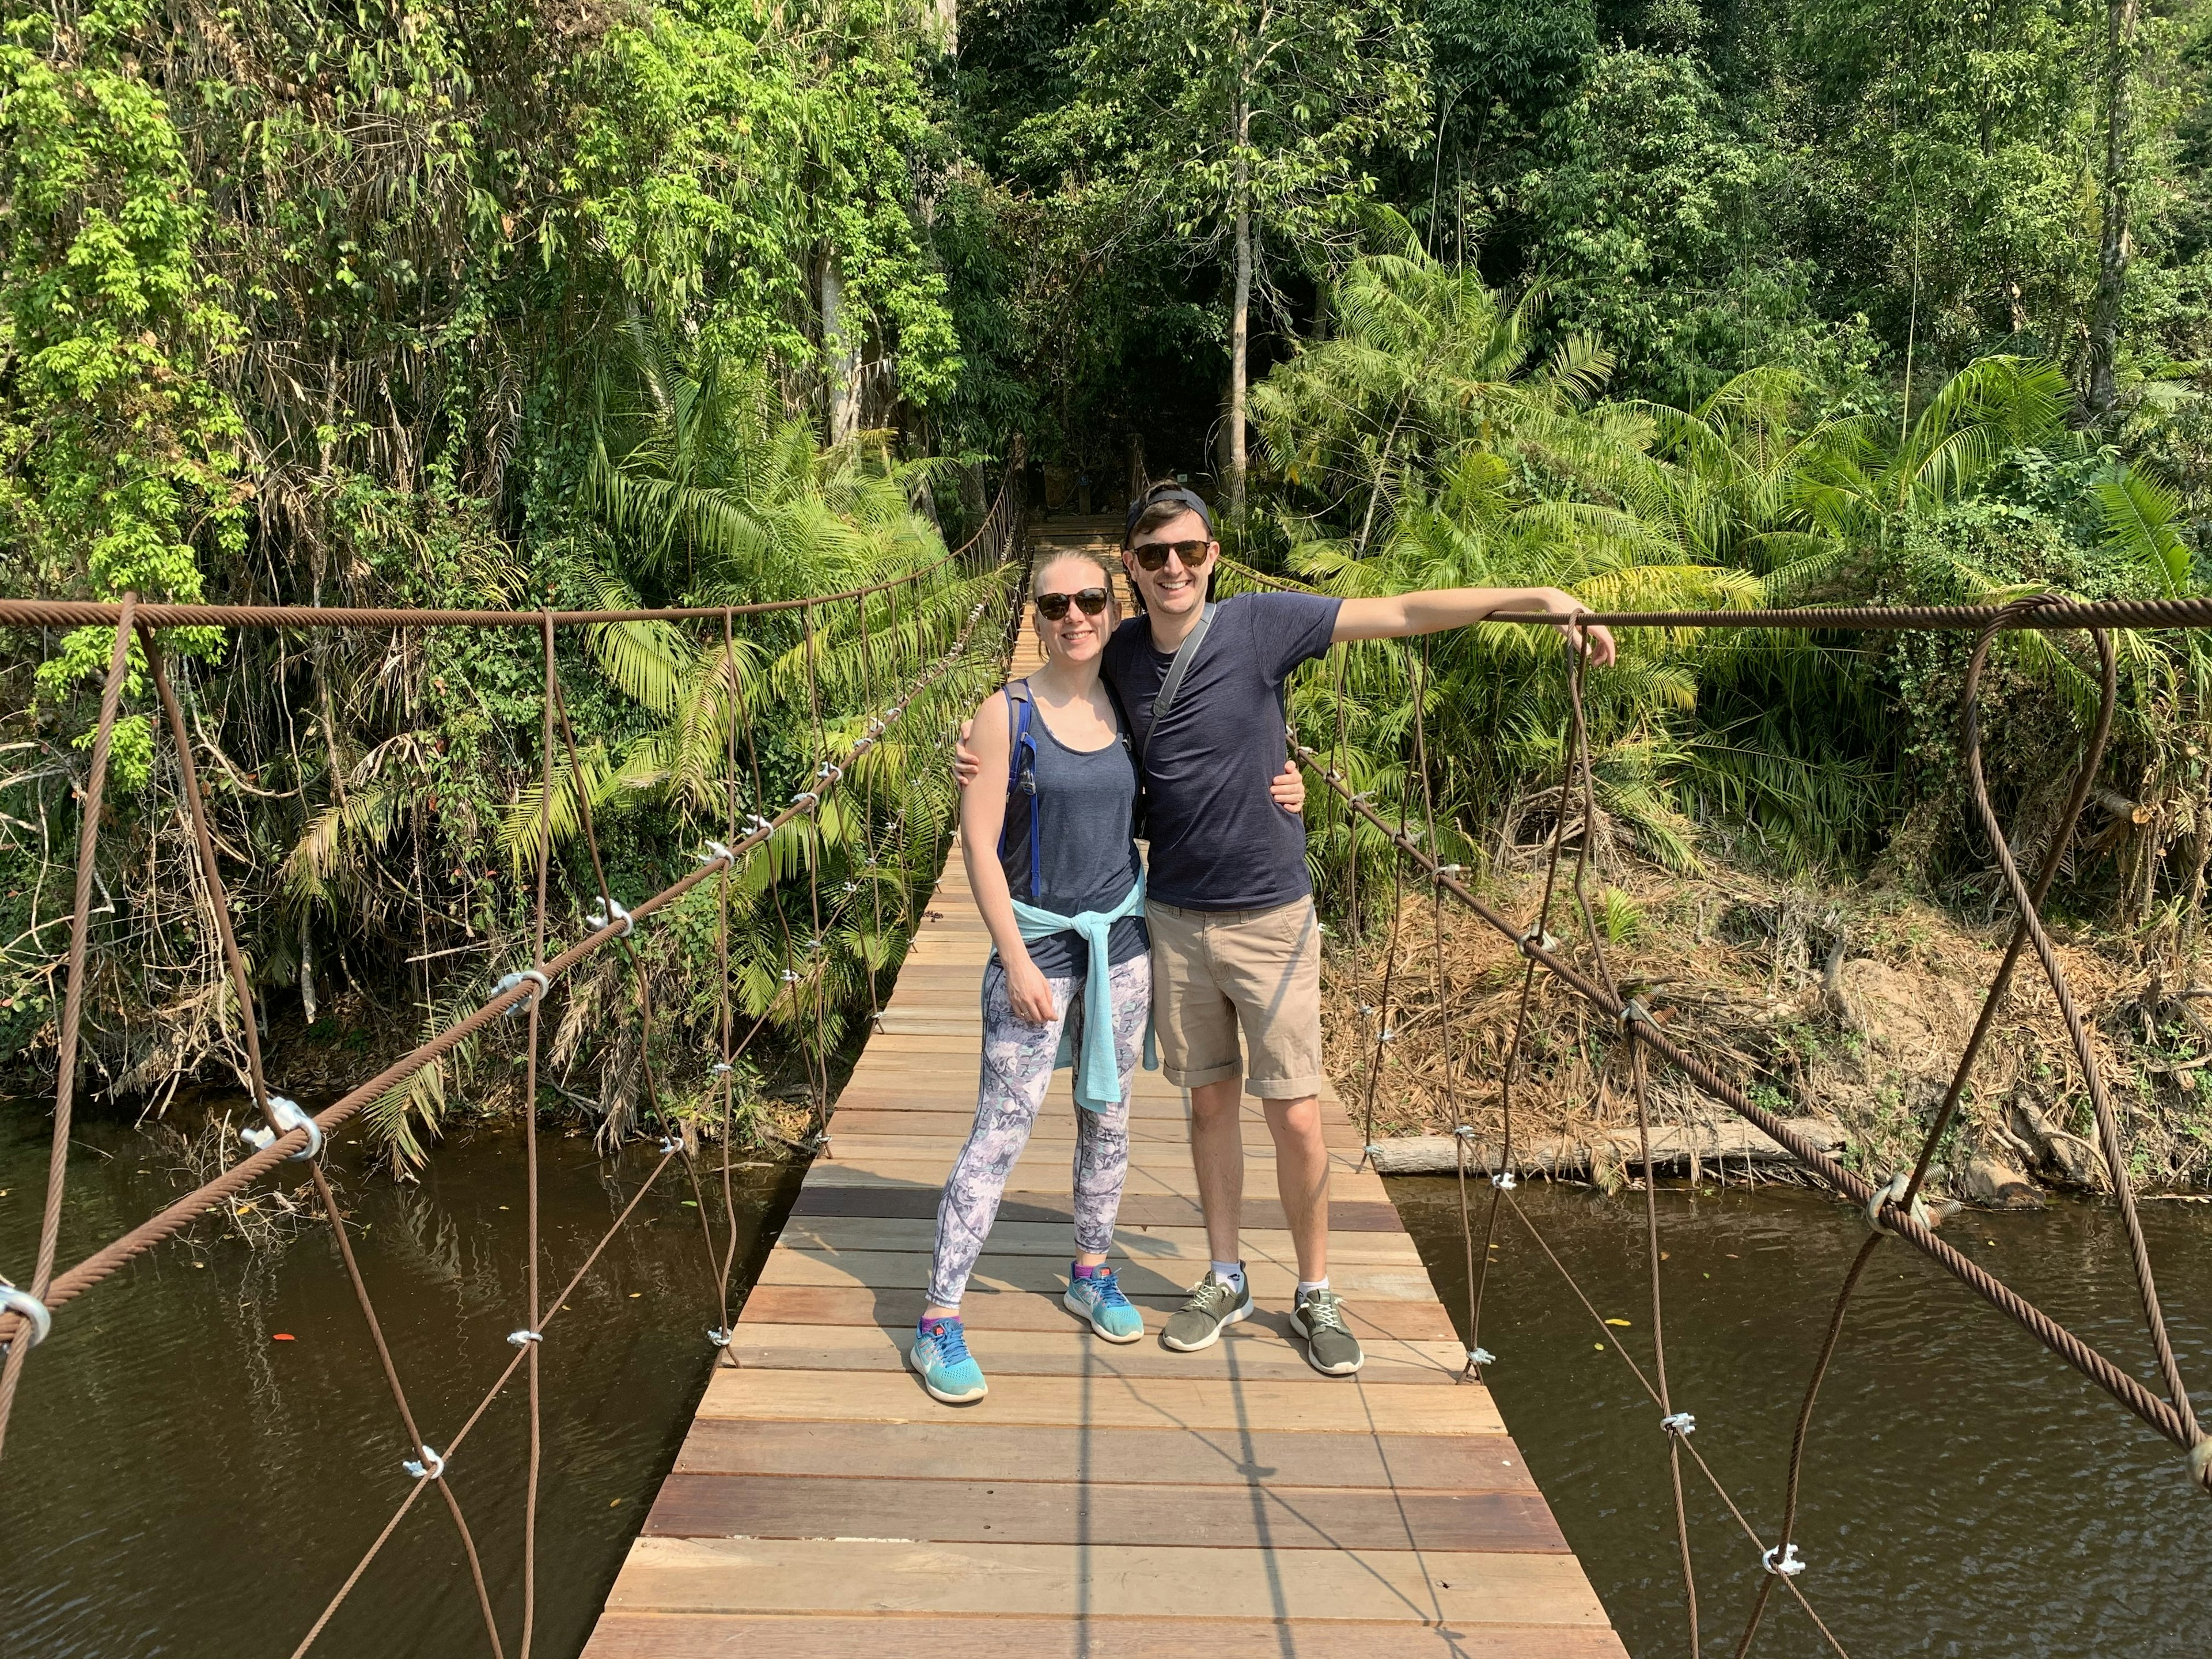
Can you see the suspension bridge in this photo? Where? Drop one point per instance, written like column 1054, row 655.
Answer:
column 1107, row 1501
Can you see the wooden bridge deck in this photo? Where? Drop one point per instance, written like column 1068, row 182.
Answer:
column 1109, row 1502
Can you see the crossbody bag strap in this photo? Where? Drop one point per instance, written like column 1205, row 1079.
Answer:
column 1184, row 655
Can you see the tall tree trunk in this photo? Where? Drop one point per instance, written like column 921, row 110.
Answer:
column 841, row 355
column 1240, row 319
column 2112, row 242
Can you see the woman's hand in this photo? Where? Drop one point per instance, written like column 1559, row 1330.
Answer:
column 1029, row 992
column 1288, row 787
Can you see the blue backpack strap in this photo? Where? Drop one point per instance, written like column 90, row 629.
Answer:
column 1021, row 775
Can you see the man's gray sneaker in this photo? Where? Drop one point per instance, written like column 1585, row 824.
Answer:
column 1210, row 1305
column 1330, row 1346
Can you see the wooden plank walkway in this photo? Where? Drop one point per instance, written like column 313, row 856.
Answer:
column 1107, row 1501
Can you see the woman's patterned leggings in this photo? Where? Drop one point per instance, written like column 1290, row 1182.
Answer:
column 1017, row 1059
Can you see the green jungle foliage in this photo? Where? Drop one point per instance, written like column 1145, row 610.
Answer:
column 1674, row 303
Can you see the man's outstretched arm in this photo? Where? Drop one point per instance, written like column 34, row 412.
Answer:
column 1399, row 616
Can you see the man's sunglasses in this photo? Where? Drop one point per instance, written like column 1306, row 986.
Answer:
column 1154, row 554
column 1054, row 606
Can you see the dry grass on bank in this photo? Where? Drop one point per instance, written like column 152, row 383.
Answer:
column 1747, row 971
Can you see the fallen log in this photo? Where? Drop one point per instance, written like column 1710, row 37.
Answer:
column 1672, row 1145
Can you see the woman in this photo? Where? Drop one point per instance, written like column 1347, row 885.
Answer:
column 1070, row 977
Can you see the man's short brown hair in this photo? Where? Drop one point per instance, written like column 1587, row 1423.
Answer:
column 1162, row 503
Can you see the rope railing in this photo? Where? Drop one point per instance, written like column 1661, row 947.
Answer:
column 27, row 1315
column 1892, row 1207
column 987, row 548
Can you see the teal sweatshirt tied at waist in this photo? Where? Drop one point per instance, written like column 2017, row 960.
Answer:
column 1097, row 1079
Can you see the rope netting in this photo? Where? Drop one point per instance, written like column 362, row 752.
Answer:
column 989, row 565
column 1894, row 1207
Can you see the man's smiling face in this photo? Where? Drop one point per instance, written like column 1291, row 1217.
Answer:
column 1174, row 588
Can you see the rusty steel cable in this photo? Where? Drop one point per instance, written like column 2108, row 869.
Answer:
column 174, row 1217
column 2083, row 1356
column 80, row 613
column 2100, row 1101
column 1538, row 930
column 1440, row 989
column 1620, row 1350
column 553, row 1309
column 533, row 1332
column 242, row 990
column 2070, row 816
column 88, row 839
column 1632, row 1016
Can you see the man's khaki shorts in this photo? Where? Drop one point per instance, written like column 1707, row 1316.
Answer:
column 1214, row 969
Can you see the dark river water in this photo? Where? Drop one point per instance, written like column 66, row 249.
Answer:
column 177, row 1481
column 1965, row 1493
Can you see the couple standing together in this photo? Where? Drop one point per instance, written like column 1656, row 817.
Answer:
column 1176, row 714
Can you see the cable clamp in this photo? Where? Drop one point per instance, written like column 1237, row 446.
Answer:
column 812, row 946
column 1365, row 1009
column 288, row 1117
column 670, row 1144
column 1504, row 1181
column 611, row 911
column 1464, row 1131
column 811, row 800
column 720, row 1337
column 1635, row 1009
column 1788, row 1567
column 1373, row 1152
column 524, row 1339
column 829, row 771
column 791, row 976
column 1451, row 869
column 1539, row 938
column 1679, row 1423
column 38, row 1318
column 1481, row 1356
column 851, row 888
column 716, row 849
column 1891, row 1193
column 430, row 1467
column 757, row 825
column 511, row 982
column 1365, row 798
column 721, row 1068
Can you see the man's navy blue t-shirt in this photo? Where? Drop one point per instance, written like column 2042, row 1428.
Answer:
column 1218, row 840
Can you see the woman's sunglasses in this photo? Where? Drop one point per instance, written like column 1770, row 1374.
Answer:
column 1054, row 606
column 1154, row 554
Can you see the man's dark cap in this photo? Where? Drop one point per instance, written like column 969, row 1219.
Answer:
column 1154, row 496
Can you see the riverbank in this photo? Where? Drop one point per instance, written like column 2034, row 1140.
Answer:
column 1848, row 1005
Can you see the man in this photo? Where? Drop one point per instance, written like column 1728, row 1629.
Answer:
column 1229, row 907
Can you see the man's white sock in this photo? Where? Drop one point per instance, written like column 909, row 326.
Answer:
column 1305, row 1285
column 1230, row 1274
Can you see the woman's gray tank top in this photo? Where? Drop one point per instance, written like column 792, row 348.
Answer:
column 1086, row 803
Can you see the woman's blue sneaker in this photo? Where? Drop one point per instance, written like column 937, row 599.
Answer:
column 1097, row 1296
column 940, row 1355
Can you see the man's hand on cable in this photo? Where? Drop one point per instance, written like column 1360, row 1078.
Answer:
column 1287, row 787
column 1029, row 992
